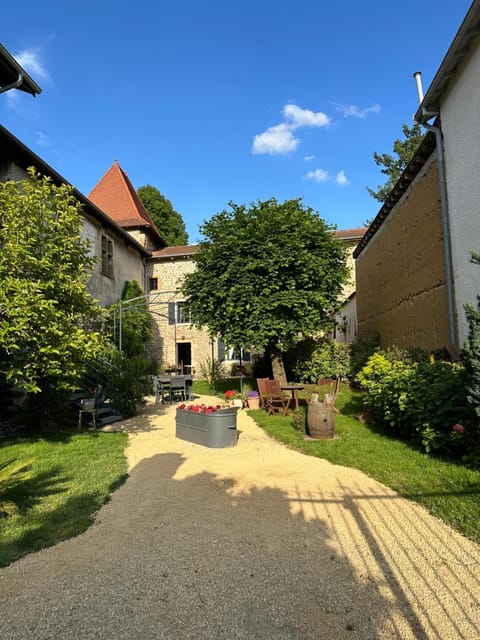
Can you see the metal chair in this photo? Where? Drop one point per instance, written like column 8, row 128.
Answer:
column 178, row 388
column 161, row 389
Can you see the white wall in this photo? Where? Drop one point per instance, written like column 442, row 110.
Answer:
column 460, row 117
column 127, row 265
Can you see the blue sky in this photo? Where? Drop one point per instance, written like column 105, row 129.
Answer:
column 213, row 101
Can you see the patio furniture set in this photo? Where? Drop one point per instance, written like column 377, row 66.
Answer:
column 172, row 388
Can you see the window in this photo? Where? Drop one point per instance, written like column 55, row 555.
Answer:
column 231, row 353
column 177, row 313
column 152, row 284
column 107, row 256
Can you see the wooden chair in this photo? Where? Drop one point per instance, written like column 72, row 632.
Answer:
column 330, row 399
column 276, row 401
column 262, row 385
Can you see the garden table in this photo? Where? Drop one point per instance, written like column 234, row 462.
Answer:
column 294, row 388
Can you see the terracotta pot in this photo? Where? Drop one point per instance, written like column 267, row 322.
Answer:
column 253, row 403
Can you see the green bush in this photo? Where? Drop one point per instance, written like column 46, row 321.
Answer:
column 423, row 401
column 212, row 370
column 121, row 380
column 312, row 359
column 360, row 352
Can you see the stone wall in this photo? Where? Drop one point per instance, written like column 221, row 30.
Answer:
column 168, row 336
column 401, row 271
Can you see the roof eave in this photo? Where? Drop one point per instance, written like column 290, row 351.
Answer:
column 12, row 73
column 30, row 158
column 470, row 27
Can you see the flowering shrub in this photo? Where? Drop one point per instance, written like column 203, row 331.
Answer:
column 422, row 401
column 230, row 395
column 199, row 408
column 252, row 394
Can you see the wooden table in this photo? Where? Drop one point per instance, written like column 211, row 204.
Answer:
column 294, row 388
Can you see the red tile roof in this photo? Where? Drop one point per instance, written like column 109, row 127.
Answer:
column 115, row 195
column 351, row 234
column 176, row 252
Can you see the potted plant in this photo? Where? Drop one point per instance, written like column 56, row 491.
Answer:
column 253, row 399
column 232, row 400
column 210, row 426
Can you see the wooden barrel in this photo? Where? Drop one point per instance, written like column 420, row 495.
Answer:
column 320, row 421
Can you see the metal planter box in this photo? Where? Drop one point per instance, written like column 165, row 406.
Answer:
column 216, row 430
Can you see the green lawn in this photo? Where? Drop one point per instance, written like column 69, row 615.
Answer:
column 61, row 481
column 448, row 489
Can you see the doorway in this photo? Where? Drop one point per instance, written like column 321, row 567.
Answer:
column 184, row 357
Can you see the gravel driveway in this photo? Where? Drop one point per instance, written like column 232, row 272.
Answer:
column 254, row 541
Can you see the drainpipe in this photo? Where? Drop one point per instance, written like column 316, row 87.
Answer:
column 445, row 217
column 14, row 85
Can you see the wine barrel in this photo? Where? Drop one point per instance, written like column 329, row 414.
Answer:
column 320, row 421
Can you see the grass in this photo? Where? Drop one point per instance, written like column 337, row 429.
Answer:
column 448, row 489
column 57, row 482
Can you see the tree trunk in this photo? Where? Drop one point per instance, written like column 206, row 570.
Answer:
column 278, row 369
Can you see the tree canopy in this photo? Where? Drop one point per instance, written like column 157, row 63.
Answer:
column 169, row 222
column 393, row 167
column 46, row 312
column 266, row 274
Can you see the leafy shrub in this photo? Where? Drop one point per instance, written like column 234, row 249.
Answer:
column 212, row 370
column 121, row 380
column 360, row 352
column 423, row 401
column 312, row 359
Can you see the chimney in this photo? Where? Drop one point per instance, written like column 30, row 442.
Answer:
column 418, row 79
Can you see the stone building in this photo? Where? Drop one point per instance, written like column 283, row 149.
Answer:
column 345, row 329
column 176, row 344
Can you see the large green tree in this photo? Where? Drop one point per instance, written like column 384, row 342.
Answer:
column 266, row 275
column 393, row 166
column 169, row 222
column 46, row 313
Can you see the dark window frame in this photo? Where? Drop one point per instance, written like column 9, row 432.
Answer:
column 107, row 256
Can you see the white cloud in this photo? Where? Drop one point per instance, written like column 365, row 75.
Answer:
column 30, row 60
column 308, row 158
column 352, row 110
column 275, row 140
column 305, row 117
column 342, row 179
column 319, row 175
column 42, row 139
column 279, row 138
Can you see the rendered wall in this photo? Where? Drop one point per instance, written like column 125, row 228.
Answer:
column 460, row 116
column 127, row 265
column 127, row 262
column 401, row 272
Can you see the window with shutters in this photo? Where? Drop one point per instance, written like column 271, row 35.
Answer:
column 107, row 256
column 177, row 313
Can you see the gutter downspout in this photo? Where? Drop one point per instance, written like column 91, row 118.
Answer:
column 14, row 85
column 445, row 217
